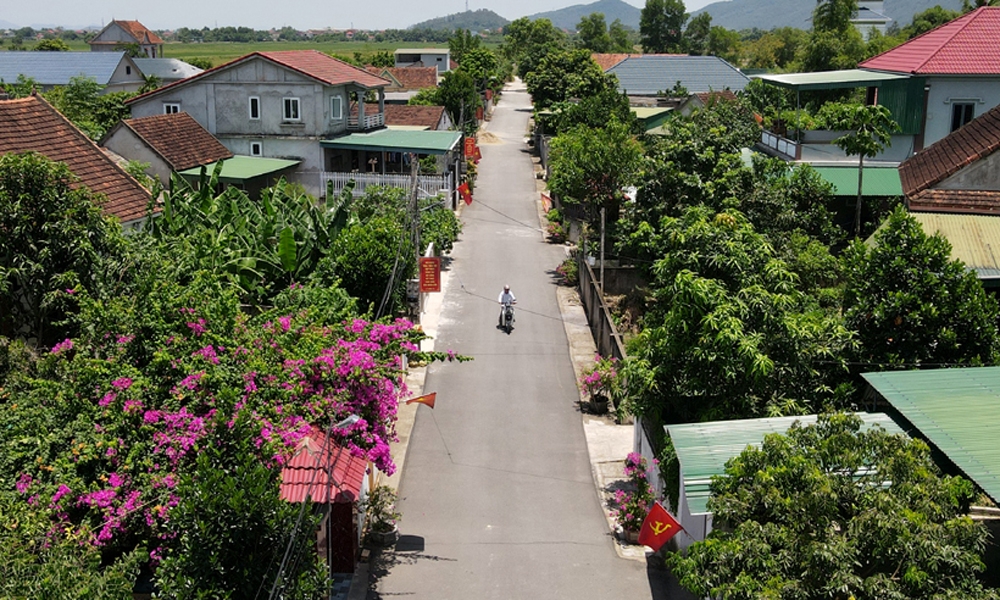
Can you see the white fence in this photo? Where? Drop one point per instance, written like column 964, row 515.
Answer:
column 354, row 123
column 428, row 185
column 784, row 146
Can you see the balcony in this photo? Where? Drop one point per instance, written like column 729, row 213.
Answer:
column 427, row 185
column 375, row 121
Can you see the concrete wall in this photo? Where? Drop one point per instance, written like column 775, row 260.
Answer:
column 441, row 60
column 125, row 143
column 983, row 174
column 981, row 90
column 306, row 150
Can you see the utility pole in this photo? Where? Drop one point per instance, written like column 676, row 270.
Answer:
column 602, row 250
column 415, row 212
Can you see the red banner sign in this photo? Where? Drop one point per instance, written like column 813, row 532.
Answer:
column 430, row 274
column 470, row 147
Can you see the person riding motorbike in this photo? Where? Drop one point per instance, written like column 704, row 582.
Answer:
column 506, row 297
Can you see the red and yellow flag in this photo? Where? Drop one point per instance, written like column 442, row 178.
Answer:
column 658, row 528
column 427, row 399
column 464, row 191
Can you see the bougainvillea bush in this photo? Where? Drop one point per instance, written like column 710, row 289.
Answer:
column 112, row 438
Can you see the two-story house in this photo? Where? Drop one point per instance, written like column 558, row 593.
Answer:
column 117, row 34
column 277, row 105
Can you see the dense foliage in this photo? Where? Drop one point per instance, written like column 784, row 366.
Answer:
column 834, row 511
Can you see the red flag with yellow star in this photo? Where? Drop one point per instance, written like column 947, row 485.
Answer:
column 658, row 527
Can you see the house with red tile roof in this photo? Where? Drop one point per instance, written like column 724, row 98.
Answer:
column 276, row 105
column 430, row 118
column 31, row 124
column 333, row 480
column 120, row 33
column 167, row 143
column 404, row 79
column 959, row 173
column 958, row 65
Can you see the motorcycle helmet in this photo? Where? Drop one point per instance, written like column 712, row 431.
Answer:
column 506, row 288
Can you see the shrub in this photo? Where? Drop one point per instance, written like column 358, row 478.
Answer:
column 633, row 504
column 570, row 272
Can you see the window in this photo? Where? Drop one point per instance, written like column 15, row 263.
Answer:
column 254, row 108
column 170, row 108
column 256, row 149
column 290, row 110
column 336, row 108
column 961, row 113
column 128, row 70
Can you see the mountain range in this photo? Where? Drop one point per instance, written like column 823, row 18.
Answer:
column 568, row 18
column 768, row 14
column 473, row 20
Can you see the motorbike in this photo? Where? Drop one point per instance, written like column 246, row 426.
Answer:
column 508, row 317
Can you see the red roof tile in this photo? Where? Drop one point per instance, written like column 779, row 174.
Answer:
column 979, row 202
column 305, row 474
column 179, row 139
column 409, row 78
column 140, row 32
column 32, row 124
column 406, row 115
column 942, row 159
column 311, row 63
column 969, row 45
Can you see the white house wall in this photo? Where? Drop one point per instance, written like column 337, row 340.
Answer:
column 306, row 150
column 126, row 78
column 127, row 144
column 984, row 174
column 945, row 91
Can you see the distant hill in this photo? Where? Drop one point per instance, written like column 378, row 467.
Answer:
column 768, row 14
column 473, row 20
column 568, row 18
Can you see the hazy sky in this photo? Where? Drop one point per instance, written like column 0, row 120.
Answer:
column 264, row 14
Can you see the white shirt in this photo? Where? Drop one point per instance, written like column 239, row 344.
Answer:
column 506, row 297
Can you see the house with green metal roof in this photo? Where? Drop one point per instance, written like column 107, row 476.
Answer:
column 703, row 449
column 957, row 411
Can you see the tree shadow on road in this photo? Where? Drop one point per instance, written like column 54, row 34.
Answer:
column 408, row 550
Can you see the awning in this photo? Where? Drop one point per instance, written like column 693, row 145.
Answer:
column 397, row 140
column 831, row 80
column 243, row 168
column 972, row 238
column 877, row 181
column 955, row 410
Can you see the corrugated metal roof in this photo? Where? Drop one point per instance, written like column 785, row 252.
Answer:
column 703, row 449
column 649, row 75
column 956, row 410
column 973, row 238
column 877, row 181
column 57, row 68
column 167, row 69
column 305, row 475
column 830, row 80
column 395, row 140
column 241, row 168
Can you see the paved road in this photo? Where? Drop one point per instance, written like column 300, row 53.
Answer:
column 497, row 496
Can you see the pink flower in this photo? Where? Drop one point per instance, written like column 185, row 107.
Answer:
column 286, row 322
column 62, row 491
column 63, row 346
column 208, row 352
column 198, row 327
column 70, row 291
column 23, row 483
column 115, row 480
column 122, row 383
column 124, row 339
column 107, row 399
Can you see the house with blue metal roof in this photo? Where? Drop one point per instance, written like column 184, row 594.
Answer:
column 113, row 71
column 655, row 74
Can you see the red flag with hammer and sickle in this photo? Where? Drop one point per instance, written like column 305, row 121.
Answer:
column 658, row 528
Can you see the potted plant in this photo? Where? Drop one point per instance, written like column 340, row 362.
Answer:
column 633, row 502
column 382, row 515
column 600, row 382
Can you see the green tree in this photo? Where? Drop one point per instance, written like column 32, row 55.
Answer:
column 596, row 111
column 527, row 42
column 730, row 334
column 594, row 166
column 696, row 34
column 461, row 42
column 564, row 75
column 911, row 304
column 51, row 45
column 834, row 15
column 871, row 128
column 834, row 511
column 54, row 243
column 661, row 26
column 724, row 43
column 593, row 34
column 483, row 66
column 923, row 22
column 620, row 36
column 460, row 97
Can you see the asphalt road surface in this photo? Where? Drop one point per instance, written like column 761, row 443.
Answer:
column 497, row 496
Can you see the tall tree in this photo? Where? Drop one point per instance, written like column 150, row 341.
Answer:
column 621, row 37
column 563, row 75
column 912, row 305
column 696, row 34
column 593, row 33
column 871, row 128
column 833, row 511
column 834, row 15
column 461, row 42
column 527, row 42
column 661, row 26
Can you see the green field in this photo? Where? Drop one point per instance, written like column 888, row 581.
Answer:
column 221, row 52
